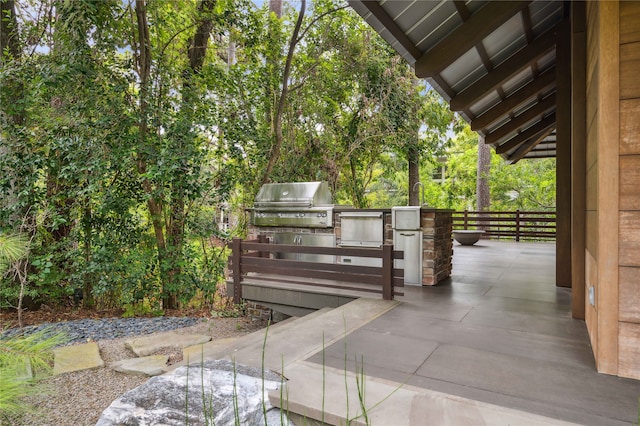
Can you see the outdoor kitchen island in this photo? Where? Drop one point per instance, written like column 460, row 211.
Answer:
column 427, row 246
column 302, row 213
column 333, row 238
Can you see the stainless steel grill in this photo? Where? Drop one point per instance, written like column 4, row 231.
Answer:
column 296, row 204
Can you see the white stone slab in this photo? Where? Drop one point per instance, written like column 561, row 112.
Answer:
column 146, row 345
column 153, row 365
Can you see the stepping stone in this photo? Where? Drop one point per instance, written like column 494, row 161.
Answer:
column 76, row 358
column 196, row 353
column 143, row 346
column 153, row 365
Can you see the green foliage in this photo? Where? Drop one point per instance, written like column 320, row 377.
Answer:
column 142, row 308
column 12, row 248
column 527, row 185
column 122, row 185
column 24, row 361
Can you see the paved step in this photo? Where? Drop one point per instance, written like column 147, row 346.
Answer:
column 219, row 349
column 308, row 337
column 76, row 357
column 385, row 402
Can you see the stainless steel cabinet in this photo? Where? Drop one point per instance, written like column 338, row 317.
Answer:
column 362, row 230
column 304, row 239
column 410, row 242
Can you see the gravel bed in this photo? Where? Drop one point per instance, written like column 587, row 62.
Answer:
column 81, row 331
column 79, row 398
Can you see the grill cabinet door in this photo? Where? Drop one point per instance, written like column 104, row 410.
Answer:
column 303, row 239
column 411, row 243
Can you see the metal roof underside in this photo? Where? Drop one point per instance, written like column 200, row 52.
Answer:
column 493, row 61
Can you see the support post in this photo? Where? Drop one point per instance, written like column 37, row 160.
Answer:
column 578, row 156
column 387, row 272
column 236, row 251
column 563, row 156
column 517, row 225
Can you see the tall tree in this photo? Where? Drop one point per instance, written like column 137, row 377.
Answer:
column 281, row 97
column 184, row 140
column 168, row 209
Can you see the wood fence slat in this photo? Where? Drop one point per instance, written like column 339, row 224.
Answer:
column 314, row 273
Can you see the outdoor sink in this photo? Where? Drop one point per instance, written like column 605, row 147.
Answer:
column 467, row 237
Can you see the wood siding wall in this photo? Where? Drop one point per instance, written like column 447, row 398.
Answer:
column 629, row 230
column 602, row 182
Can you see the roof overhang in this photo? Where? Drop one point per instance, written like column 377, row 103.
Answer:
column 493, row 61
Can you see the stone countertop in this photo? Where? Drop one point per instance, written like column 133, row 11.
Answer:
column 340, row 209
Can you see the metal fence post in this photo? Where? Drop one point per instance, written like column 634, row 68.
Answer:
column 518, row 225
column 466, row 218
column 236, row 252
column 387, row 272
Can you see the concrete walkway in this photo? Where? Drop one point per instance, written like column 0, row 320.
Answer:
column 498, row 332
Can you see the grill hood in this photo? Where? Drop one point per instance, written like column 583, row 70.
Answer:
column 297, row 204
column 293, row 194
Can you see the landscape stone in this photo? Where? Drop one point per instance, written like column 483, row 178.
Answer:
column 152, row 365
column 199, row 394
column 147, row 345
column 77, row 357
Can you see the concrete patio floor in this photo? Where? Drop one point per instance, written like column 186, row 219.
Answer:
column 499, row 331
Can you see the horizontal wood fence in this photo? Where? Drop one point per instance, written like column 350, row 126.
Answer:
column 517, row 225
column 256, row 260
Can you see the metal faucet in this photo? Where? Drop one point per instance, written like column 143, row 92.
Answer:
column 421, row 186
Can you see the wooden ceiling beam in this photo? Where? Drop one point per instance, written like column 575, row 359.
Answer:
column 491, row 16
column 531, row 132
column 516, row 123
column 526, row 147
column 515, row 100
column 391, row 26
column 516, row 63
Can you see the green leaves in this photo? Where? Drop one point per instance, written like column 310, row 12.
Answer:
column 23, row 361
column 126, row 182
column 13, row 247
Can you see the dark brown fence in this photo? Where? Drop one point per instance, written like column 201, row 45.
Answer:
column 517, row 225
column 259, row 261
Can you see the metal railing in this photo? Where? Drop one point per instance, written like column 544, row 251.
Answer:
column 515, row 225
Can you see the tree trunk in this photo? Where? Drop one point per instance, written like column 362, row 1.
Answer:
column 277, row 118
column 181, row 138
column 415, row 186
column 275, row 6
column 483, row 198
column 10, row 50
column 154, row 205
column 9, row 34
column 87, row 288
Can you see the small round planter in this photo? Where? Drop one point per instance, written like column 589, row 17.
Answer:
column 467, row 237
